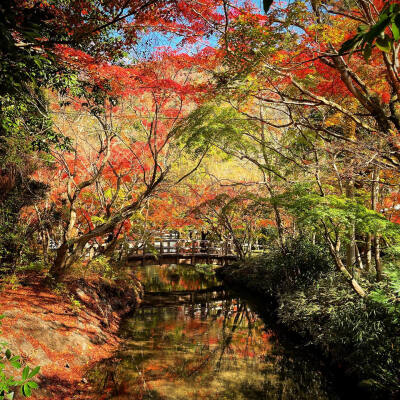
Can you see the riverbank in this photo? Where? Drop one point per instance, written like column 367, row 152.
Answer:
column 356, row 335
column 65, row 330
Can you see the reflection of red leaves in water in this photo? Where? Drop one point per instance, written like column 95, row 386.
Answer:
column 194, row 325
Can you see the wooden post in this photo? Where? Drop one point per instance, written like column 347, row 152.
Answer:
column 193, row 252
column 177, row 251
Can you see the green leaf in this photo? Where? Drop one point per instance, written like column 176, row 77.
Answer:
column 362, row 28
column 95, row 218
column 350, row 44
column 8, row 354
column 34, row 372
column 26, row 390
column 25, row 373
column 396, row 27
column 32, row 384
column 393, row 8
column 15, row 362
column 376, row 30
column 367, row 51
column 384, row 44
column 396, row 31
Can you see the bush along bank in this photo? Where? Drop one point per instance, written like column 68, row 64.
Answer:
column 301, row 287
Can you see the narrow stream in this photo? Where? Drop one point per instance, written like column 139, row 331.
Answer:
column 192, row 340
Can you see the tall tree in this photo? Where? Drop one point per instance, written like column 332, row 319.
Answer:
column 129, row 151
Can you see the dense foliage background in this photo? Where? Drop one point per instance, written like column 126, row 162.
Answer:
column 276, row 128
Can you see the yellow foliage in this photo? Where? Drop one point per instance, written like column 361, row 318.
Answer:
column 335, row 119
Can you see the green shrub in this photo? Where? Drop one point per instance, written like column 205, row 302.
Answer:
column 100, row 265
column 76, row 306
column 298, row 266
column 360, row 333
column 205, row 269
column 301, row 263
column 10, row 281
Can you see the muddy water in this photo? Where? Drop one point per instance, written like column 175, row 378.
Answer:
column 192, row 340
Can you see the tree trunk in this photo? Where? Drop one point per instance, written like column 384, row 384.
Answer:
column 334, row 250
column 45, row 245
column 67, row 255
column 57, row 271
column 338, row 262
column 368, row 246
column 351, row 249
column 278, row 218
column 351, row 246
column 358, row 258
column 374, row 202
column 377, row 254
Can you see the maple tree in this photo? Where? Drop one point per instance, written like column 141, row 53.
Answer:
column 70, row 47
column 287, row 71
column 127, row 154
column 232, row 214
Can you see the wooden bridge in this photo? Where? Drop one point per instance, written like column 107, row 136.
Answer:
column 189, row 251
column 177, row 251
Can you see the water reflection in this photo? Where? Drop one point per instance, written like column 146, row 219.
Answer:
column 204, row 349
column 166, row 278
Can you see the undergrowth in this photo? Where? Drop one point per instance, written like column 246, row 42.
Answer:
column 312, row 299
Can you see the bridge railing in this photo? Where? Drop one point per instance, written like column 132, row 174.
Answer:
column 187, row 246
column 193, row 247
